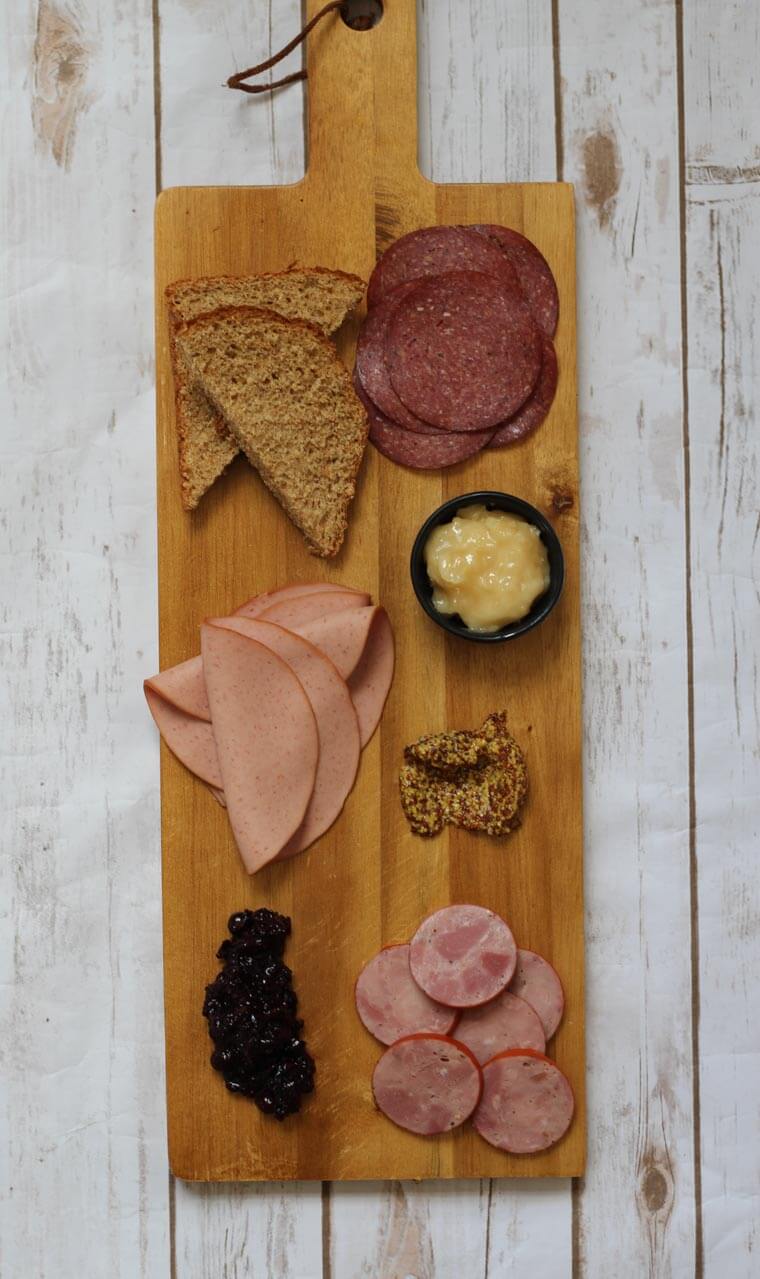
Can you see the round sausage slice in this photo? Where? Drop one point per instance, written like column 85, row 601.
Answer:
column 503, row 1023
column 433, row 250
column 427, row 1084
column 533, row 272
column 534, row 410
column 423, row 452
column 463, row 352
column 537, row 983
column 372, row 372
column 527, row 1102
column 391, row 1004
column 463, row 955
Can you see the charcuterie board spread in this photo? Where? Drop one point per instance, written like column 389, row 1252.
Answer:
column 369, row 689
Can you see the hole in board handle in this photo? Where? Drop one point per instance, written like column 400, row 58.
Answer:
column 361, row 15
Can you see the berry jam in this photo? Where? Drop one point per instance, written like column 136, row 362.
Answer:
column 251, row 1011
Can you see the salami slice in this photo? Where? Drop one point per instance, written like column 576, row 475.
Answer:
column 434, row 250
column 504, row 1022
column 537, row 983
column 391, row 1004
column 527, row 1103
column 427, row 1084
column 533, row 272
column 462, row 351
column 537, row 405
column 422, row 452
column 372, row 371
column 463, row 955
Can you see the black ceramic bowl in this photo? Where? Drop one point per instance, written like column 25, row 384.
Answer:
column 500, row 502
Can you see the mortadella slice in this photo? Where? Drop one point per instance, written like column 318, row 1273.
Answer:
column 370, row 682
column 184, row 686
column 302, row 609
column 190, row 739
column 337, row 725
column 267, row 740
column 341, row 636
column 267, row 599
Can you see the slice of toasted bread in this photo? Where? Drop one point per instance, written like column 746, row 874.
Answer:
column 289, row 402
column 316, row 294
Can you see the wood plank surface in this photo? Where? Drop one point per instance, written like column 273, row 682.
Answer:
column 618, row 68
column 345, row 907
column 83, row 1186
column 722, row 232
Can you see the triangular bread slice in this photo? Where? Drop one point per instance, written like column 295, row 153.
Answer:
column 321, row 296
column 289, row 401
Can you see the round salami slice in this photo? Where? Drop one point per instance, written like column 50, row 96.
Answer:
column 462, row 352
column 504, row 1022
column 527, row 1102
column 421, row 452
column 537, row 405
column 533, row 272
column 463, row 955
column 537, row 983
column 436, row 249
column 391, row 1004
column 372, row 370
column 427, row 1084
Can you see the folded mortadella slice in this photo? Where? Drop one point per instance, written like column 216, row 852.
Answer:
column 341, row 636
column 190, row 739
column 360, row 644
column 267, row 741
column 267, row 599
column 337, row 725
column 370, row 682
column 302, row 609
column 184, row 686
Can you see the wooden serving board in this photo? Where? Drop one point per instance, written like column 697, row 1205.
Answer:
column 369, row 881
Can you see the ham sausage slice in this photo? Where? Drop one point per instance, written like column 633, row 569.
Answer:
column 537, row 983
column 190, row 739
column 463, row 955
column 527, row 1103
column 391, row 1004
column 267, row 741
column 337, row 725
column 427, row 1084
column 503, row 1023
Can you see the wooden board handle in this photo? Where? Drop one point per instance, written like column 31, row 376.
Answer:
column 362, row 98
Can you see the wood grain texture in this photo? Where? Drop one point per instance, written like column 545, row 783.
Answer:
column 370, row 881
column 82, row 1147
column 620, row 144
column 722, row 229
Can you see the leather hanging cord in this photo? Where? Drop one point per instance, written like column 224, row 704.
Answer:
column 236, row 81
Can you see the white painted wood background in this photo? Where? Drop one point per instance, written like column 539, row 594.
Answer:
column 652, row 108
